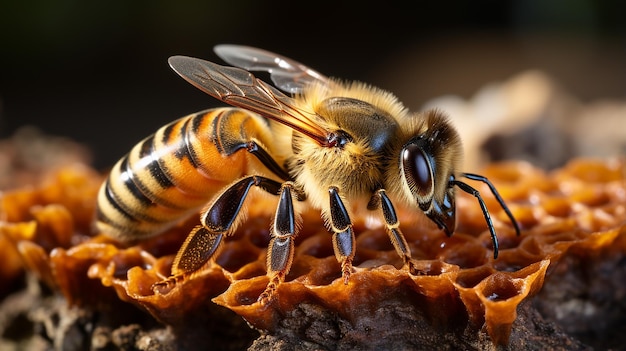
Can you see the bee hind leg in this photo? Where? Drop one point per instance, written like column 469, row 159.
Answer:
column 221, row 219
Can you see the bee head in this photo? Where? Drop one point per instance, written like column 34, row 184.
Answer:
column 427, row 163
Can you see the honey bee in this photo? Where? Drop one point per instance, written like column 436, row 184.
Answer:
column 339, row 147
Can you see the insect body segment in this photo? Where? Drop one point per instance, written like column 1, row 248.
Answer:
column 176, row 171
column 337, row 146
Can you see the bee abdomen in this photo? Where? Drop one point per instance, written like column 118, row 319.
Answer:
column 171, row 174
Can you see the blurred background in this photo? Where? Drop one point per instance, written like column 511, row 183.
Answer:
column 97, row 73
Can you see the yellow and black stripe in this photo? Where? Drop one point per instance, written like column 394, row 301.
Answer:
column 176, row 171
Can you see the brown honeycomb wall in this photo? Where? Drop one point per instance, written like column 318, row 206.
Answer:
column 465, row 298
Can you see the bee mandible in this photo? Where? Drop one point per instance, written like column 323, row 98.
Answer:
column 340, row 147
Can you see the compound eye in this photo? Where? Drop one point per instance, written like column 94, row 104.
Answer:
column 418, row 169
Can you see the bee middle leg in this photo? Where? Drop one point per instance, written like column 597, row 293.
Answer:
column 280, row 250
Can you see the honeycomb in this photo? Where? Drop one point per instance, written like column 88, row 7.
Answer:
column 580, row 209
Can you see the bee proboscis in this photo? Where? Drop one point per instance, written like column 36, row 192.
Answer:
column 330, row 144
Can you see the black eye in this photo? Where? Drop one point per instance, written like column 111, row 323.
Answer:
column 338, row 139
column 417, row 168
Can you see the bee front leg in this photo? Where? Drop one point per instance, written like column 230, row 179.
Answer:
column 281, row 246
column 343, row 237
column 219, row 220
column 380, row 199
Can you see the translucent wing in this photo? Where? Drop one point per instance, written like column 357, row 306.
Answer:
column 240, row 88
column 288, row 75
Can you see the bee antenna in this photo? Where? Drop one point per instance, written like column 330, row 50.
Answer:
column 495, row 193
column 470, row 190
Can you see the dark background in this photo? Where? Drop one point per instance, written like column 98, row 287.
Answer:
column 97, row 71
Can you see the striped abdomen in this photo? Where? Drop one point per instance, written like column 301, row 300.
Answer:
column 175, row 172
